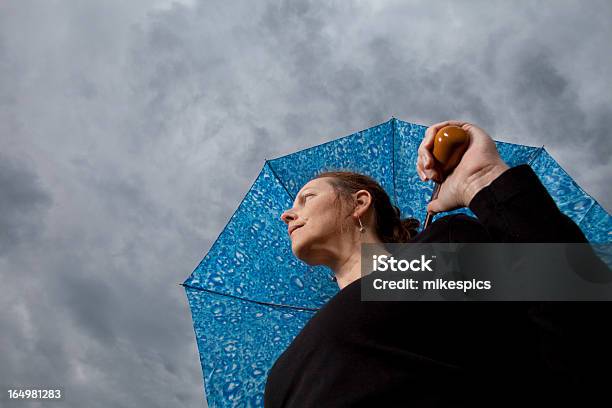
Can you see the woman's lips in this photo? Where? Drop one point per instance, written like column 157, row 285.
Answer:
column 294, row 229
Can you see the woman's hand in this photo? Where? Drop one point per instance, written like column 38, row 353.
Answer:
column 479, row 166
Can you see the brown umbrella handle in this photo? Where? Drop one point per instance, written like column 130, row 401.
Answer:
column 450, row 144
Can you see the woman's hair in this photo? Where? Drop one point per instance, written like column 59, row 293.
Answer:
column 390, row 227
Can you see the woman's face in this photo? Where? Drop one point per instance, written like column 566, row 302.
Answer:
column 313, row 222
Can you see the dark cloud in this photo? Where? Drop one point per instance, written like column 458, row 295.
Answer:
column 131, row 130
column 23, row 204
column 90, row 302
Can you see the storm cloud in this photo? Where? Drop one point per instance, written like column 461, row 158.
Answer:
column 129, row 132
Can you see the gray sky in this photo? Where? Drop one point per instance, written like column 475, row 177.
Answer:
column 130, row 130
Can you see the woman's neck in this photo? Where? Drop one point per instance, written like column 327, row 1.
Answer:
column 348, row 270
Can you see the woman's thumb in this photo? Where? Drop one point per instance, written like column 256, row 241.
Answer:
column 435, row 206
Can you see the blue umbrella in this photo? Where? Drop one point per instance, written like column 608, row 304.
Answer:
column 250, row 296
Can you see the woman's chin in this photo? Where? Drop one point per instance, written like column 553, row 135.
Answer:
column 297, row 249
column 300, row 251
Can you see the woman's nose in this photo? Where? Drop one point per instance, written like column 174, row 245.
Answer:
column 288, row 216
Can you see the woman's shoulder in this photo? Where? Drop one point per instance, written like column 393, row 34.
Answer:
column 454, row 228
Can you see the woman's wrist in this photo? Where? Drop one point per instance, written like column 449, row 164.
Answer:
column 482, row 178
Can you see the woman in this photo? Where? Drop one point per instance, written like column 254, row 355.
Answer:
column 389, row 354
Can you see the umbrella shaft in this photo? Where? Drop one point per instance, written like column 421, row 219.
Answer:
column 434, row 195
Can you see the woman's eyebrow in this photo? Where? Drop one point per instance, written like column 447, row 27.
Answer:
column 301, row 195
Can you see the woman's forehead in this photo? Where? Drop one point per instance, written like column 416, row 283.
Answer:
column 318, row 183
column 315, row 185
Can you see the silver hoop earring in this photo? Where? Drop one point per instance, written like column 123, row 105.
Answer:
column 361, row 228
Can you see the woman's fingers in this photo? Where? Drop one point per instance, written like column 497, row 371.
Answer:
column 428, row 141
column 426, row 146
column 425, row 158
column 424, row 168
column 432, row 174
column 419, row 168
column 434, row 206
column 424, row 172
column 425, row 161
column 433, row 129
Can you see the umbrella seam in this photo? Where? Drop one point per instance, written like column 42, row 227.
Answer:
column 269, row 164
column 535, row 155
column 594, row 201
column 278, row 178
column 586, row 212
column 250, row 300
column 393, row 127
column 331, row 141
column 214, row 244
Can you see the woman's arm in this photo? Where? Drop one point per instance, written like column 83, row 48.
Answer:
column 516, row 207
column 512, row 204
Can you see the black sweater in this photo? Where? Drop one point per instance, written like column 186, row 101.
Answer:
column 425, row 354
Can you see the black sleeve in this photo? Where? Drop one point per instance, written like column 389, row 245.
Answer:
column 574, row 339
column 454, row 228
column 516, row 207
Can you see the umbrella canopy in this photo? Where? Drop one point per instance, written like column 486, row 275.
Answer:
column 250, row 296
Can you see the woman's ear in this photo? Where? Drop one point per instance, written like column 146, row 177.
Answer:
column 363, row 200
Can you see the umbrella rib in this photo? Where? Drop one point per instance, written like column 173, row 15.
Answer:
column 250, row 300
column 286, row 190
column 278, row 178
column 587, row 211
column 328, row 142
column 535, row 155
column 533, row 159
column 393, row 127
